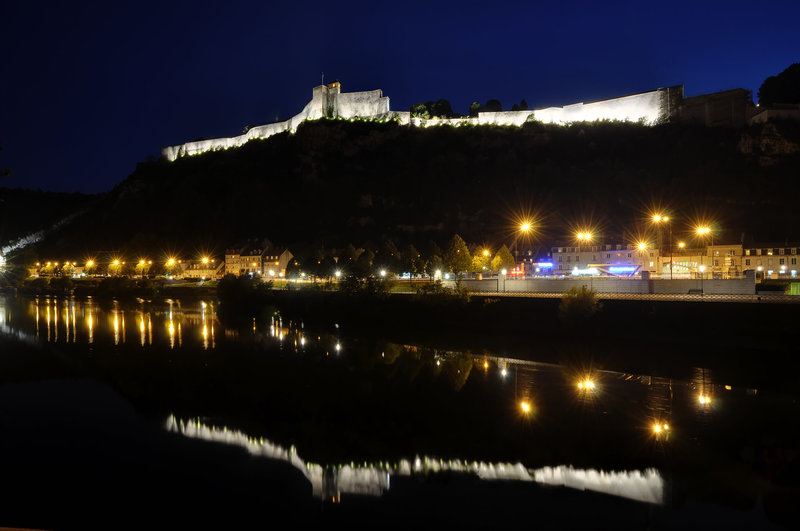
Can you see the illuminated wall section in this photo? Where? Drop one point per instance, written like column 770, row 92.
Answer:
column 326, row 101
column 646, row 107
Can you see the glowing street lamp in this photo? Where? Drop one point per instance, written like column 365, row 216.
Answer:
column 642, row 246
column 658, row 219
column 703, row 232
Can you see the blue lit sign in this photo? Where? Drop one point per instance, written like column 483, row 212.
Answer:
column 545, row 264
column 622, row 269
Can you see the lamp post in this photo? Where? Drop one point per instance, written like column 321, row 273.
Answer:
column 658, row 218
column 525, row 228
column 583, row 237
column 703, row 232
column 642, row 248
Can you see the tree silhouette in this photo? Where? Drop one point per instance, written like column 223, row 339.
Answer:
column 783, row 88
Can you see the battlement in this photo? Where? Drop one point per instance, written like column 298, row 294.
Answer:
column 328, row 101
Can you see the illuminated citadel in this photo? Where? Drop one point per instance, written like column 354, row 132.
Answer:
column 729, row 108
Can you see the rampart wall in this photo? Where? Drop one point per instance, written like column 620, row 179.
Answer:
column 329, row 101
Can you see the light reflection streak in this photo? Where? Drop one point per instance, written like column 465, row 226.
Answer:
column 74, row 323
column 140, row 320
column 66, row 320
column 47, row 318
column 116, row 327
column 374, row 479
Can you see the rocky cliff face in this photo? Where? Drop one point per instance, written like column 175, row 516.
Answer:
column 769, row 142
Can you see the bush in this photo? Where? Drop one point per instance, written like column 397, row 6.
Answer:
column 578, row 305
column 439, row 292
column 62, row 283
column 40, row 283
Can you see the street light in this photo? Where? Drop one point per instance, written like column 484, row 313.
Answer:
column 658, row 218
column 642, row 248
column 703, row 232
column 583, row 237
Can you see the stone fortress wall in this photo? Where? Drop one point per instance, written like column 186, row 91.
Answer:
column 328, row 101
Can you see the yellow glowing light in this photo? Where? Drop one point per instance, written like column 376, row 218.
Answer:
column 525, row 227
column 485, row 364
column 89, row 263
column 141, row 262
column 584, row 236
column 703, row 230
column 171, row 262
column 205, row 260
column 116, row 262
column 657, row 428
column 586, row 384
column 681, row 244
column 641, row 246
column 525, row 406
column 704, row 400
column 485, row 252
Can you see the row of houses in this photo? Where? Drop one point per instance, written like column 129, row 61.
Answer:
column 719, row 260
column 257, row 260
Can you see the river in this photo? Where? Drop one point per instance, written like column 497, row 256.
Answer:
column 362, row 426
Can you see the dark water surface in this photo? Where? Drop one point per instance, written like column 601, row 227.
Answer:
column 148, row 408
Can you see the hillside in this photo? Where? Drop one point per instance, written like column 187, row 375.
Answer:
column 334, row 182
column 23, row 212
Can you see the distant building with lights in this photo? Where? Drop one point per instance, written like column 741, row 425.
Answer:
column 607, row 259
column 773, row 260
column 200, row 270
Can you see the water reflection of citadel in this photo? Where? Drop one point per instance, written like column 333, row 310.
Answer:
column 373, row 479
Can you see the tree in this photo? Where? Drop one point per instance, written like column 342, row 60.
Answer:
column 363, row 266
column 457, row 257
column 412, row 260
column 481, row 261
column 388, row 256
column 293, row 268
column 493, row 106
column 783, row 88
column 442, row 109
column 474, row 109
column 503, row 259
column 349, row 256
column 434, row 264
column 420, row 110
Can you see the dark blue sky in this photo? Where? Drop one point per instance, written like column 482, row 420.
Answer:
column 88, row 90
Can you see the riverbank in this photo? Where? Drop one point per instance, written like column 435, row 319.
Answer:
column 751, row 344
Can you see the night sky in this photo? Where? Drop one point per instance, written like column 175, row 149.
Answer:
column 89, row 90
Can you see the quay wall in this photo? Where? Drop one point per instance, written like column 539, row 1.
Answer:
column 733, row 286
